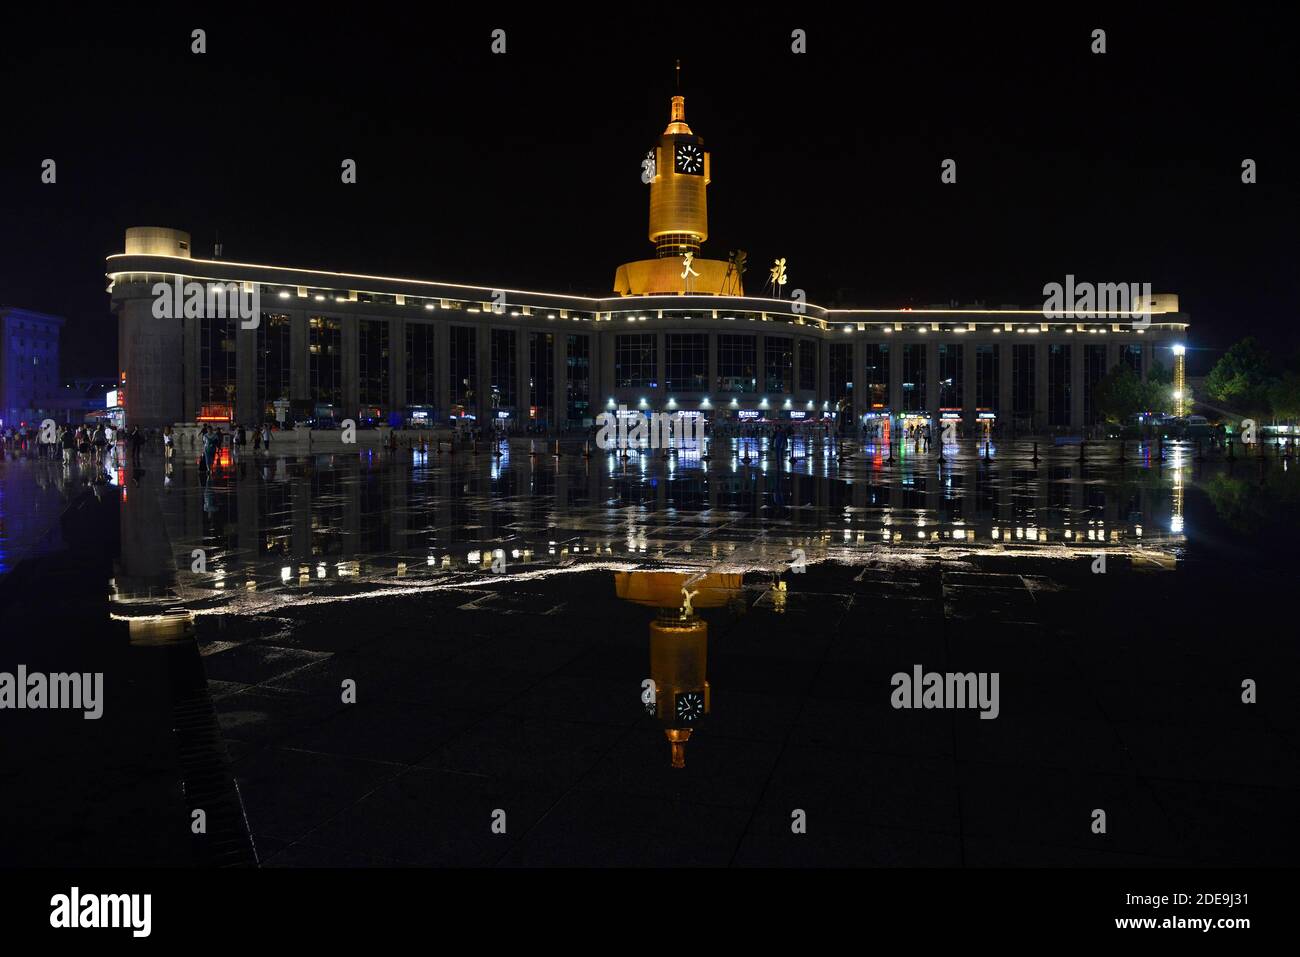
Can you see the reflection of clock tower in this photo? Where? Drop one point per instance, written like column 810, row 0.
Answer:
column 679, row 646
column 678, row 656
column 679, row 218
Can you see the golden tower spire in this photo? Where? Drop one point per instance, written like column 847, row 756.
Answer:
column 679, row 175
column 677, row 118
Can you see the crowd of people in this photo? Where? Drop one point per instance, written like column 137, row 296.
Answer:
column 78, row 444
column 87, row 444
column 212, row 439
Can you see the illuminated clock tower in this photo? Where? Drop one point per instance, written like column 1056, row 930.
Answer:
column 679, row 218
column 679, row 211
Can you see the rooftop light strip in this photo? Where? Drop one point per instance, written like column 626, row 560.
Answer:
column 340, row 275
column 607, row 304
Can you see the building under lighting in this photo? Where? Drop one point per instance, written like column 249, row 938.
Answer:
column 29, row 368
column 677, row 333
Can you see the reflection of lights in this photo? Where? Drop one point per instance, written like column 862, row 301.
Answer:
column 1176, row 525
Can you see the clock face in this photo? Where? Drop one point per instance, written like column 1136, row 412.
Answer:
column 688, row 706
column 689, row 158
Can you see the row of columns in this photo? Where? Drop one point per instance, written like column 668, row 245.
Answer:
column 601, row 373
column 606, row 343
column 249, row 404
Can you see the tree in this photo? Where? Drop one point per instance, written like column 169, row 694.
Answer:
column 1240, row 378
column 1156, row 395
column 1159, row 374
column 1119, row 395
column 1284, row 396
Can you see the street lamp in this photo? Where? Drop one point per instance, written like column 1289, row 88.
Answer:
column 1180, row 379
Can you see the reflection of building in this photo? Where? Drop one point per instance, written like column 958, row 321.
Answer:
column 679, row 646
column 375, row 347
column 679, row 653
column 29, row 367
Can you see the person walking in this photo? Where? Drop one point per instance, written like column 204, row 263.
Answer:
column 68, row 439
column 212, row 443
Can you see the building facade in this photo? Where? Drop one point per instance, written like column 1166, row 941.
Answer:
column 29, row 368
column 677, row 334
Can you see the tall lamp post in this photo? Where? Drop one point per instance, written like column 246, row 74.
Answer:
column 1181, row 404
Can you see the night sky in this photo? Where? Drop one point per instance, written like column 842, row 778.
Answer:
column 523, row 170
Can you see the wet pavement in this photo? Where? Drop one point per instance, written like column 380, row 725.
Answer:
column 32, row 500
column 469, row 602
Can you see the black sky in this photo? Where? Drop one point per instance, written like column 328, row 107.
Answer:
column 523, row 169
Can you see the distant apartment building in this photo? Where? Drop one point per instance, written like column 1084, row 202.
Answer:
column 29, row 367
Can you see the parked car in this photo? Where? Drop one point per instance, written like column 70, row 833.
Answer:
column 1114, row 431
column 1198, row 427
